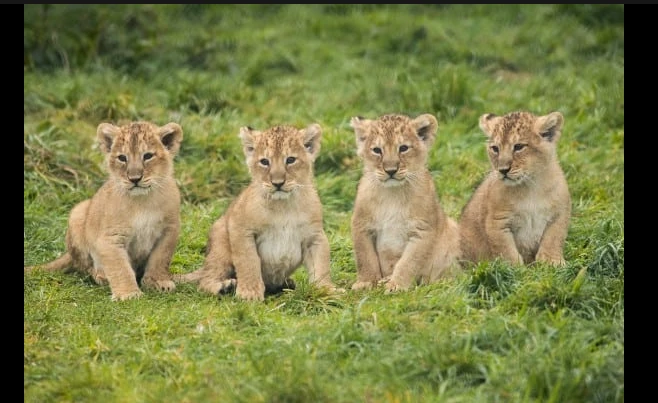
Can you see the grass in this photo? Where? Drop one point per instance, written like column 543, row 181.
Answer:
column 495, row 333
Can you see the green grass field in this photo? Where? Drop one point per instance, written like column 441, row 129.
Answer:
column 496, row 333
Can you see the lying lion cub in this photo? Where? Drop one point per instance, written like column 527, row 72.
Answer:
column 129, row 229
column 521, row 211
column 401, row 234
column 275, row 225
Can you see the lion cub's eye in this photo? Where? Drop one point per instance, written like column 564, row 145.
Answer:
column 122, row 158
column 290, row 160
column 148, row 156
column 494, row 149
column 264, row 162
column 377, row 150
column 404, row 148
column 519, row 147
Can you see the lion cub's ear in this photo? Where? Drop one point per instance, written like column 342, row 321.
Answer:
column 247, row 137
column 312, row 137
column 487, row 122
column 171, row 136
column 105, row 134
column 549, row 126
column 360, row 125
column 426, row 127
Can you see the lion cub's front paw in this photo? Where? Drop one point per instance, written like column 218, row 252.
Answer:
column 250, row 293
column 384, row 280
column 394, row 286
column 331, row 288
column 160, row 285
column 337, row 290
column 552, row 260
column 126, row 296
column 362, row 285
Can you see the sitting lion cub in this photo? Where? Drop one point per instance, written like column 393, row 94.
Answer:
column 275, row 225
column 400, row 232
column 521, row 211
column 129, row 229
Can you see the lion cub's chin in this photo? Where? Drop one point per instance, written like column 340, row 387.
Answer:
column 392, row 183
column 513, row 182
column 279, row 195
column 139, row 191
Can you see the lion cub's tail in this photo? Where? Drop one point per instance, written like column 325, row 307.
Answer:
column 61, row 263
column 192, row 277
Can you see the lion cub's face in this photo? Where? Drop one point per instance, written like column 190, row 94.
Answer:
column 394, row 147
column 140, row 154
column 520, row 144
column 281, row 158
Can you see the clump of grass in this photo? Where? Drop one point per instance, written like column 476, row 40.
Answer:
column 492, row 281
column 308, row 299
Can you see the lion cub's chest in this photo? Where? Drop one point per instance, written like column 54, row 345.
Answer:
column 391, row 224
column 528, row 222
column 146, row 229
column 280, row 243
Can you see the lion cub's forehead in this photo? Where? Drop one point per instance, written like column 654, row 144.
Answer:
column 137, row 136
column 280, row 139
column 513, row 127
column 392, row 128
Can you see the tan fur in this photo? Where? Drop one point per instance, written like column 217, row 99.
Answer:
column 129, row 228
column 400, row 232
column 267, row 233
column 521, row 211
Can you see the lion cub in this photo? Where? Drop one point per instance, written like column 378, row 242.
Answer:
column 400, row 232
column 129, row 229
column 521, row 211
column 274, row 225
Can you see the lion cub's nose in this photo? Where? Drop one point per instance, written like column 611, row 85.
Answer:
column 278, row 185
column 391, row 171
column 504, row 171
column 135, row 179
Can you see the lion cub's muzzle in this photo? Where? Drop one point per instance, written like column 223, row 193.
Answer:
column 278, row 190
column 136, row 184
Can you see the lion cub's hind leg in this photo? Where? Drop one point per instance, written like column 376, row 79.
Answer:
column 78, row 247
column 217, row 276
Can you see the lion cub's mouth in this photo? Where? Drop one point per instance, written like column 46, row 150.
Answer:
column 512, row 181
column 508, row 180
column 392, row 181
column 279, row 194
column 138, row 190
